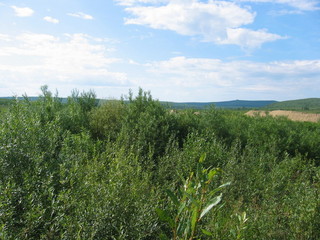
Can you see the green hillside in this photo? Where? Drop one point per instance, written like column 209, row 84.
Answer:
column 308, row 104
column 235, row 104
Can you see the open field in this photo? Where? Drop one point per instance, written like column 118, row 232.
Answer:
column 292, row 115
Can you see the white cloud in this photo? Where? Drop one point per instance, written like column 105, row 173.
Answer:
column 216, row 21
column 4, row 37
column 51, row 19
column 303, row 5
column 23, row 11
column 248, row 38
column 81, row 15
column 72, row 60
column 214, row 79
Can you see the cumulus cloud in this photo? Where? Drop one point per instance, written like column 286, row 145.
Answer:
column 81, row 15
column 215, row 21
column 22, row 11
column 74, row 59
column 51, row 19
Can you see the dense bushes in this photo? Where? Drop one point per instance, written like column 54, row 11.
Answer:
column 77, row 170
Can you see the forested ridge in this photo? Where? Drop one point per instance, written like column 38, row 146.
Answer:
column 135, row 170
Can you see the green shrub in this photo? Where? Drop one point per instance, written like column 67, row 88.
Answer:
column 106, row 120
column 75, row 170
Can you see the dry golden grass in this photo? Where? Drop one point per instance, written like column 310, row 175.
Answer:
column 292, row 115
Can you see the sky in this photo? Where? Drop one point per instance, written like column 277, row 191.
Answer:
column 179, row 50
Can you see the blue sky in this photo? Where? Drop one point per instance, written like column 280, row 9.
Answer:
column 180, row 50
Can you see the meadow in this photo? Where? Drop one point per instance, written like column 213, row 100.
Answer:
column 133, row 169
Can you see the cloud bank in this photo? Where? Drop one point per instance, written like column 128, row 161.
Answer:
column 29, row 60
column 213, row 79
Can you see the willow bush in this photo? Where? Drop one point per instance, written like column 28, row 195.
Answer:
column 121, row 170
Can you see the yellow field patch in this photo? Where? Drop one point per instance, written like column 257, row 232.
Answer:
column 292, row 115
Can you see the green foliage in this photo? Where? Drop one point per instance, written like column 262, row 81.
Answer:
column 106, row 121
column 146, row 127
column 28, row 172
column 76, row 170
column 75, row 115
column 191, row 203
column 4, row 104
column 308, row 104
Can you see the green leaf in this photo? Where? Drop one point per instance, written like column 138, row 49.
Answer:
column 206, row 232
column 214, row 191
column 212, row 173
column 212, row 203
column 173, row 197
column 165, row 216
column 182, row 207
column 194, row 218
column 187, row 228
column 224, row 185
column 182, row 226
column 163, row 237
column 202, row 158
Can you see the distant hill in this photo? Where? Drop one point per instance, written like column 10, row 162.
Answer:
column 243, row 104
column 308, row 104
column 235, row 104
column 10, row 99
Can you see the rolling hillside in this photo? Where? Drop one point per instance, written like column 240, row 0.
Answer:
column 308, row 104
column 235, row 104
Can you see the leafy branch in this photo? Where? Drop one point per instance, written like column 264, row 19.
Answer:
column 192, row 202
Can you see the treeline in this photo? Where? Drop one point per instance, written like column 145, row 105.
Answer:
column 134, row 170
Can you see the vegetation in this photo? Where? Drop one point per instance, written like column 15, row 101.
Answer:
column 235, row 104
column 309, row 105
column 134, row 170
column 4, row 104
